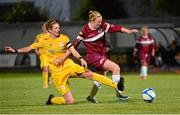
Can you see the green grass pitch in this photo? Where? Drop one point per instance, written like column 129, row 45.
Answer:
column 22, row 93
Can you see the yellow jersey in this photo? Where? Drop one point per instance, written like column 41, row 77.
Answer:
column 38, row 37
column 42, row 53
column 54, row 48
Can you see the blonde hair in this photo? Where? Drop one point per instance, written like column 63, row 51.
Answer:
column 50, row 23
column 44, row 28
column 93, row 15
column 144, row 27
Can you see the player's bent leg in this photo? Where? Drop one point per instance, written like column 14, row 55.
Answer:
column 120, row 84
column 48, row 102
column 95, row 89
column 92, row 99
column 144, row 64
column 52, row 100
column 66, row 99
column 122, row 97
column 45, row 76
column 49, row 80
column 119, row 94
column 100, row 78
column 111, row 66
column 104, row 80
column 93, row 93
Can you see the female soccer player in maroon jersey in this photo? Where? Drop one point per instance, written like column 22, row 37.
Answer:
column 145, row 46
column 93, row 37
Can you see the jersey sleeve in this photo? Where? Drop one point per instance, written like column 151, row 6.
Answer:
column 110, row 28
column 37, row 38
column 40, row 40
column 37, row 44
column 81, row 34
column 68, row 42
column 153, row 45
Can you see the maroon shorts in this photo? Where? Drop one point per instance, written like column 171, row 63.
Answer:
column 143, row 57
column 97, row 60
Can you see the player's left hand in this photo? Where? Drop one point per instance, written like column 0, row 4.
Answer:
column 58, row 61
column 83, row 63
column 134, row 31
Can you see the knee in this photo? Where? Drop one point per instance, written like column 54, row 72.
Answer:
column 88, row 74
column 45, row 69
column 116, row 69
column 144, row 63
column 69, row 101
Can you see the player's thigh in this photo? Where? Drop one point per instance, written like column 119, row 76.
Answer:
column 78, row 70
column 96, row 60
column 43, row 61
column 111, row 66
column 143, row 59
column 45, row 69
column 60, row 80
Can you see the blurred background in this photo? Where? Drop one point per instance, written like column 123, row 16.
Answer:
column 21, row 20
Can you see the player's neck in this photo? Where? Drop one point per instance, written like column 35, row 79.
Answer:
column 91, row 26
column 53, row 36
column 145, row 36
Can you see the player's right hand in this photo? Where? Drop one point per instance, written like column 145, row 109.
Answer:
column 9, row 49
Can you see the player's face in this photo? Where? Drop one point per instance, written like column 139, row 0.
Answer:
column 55, row 31
column 145, row 31
column 97, row 22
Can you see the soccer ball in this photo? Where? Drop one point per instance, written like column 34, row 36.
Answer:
column 149, row 95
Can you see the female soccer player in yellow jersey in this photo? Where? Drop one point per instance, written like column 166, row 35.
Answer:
column 56, row 45
column 43, row 58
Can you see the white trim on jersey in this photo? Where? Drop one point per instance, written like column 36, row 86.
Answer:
column 80, row 38
column 94, row 38
column 107, row 27
column 145, row 42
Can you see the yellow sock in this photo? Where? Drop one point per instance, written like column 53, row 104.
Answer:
column 45, row 79
column 58, row 100
column 104, row 80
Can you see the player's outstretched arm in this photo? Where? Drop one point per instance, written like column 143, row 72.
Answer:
column 128, row 31
column 10, row 49
column 21, row 50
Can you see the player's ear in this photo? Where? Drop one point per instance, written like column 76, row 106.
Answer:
column 49, row 30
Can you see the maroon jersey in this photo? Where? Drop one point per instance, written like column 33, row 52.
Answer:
column 94, row 40
column 145, row 45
